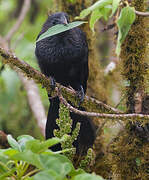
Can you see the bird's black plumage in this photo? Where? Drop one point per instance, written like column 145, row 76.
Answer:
column 64, row 57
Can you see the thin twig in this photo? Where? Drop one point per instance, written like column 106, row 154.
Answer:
column 25, row 8
column 102, row 115
column 142, row 13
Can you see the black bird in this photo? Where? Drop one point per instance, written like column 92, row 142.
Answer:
column 64, row 57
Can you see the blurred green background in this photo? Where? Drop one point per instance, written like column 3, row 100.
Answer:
column 15, row 114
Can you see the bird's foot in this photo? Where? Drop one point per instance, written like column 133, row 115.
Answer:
column 80, row 94
column 52, row 85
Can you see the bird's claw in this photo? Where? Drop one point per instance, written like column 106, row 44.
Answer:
column 52, row 85
column 80, row 94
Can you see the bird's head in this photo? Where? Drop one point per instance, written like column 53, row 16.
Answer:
column 58, row 18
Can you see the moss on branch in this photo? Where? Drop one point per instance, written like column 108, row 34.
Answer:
column 69, row 94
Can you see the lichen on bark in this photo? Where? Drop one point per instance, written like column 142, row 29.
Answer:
column 130, row 154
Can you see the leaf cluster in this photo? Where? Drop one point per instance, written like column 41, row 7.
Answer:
column 30, row 159
column 101, row 9
column 106, row 9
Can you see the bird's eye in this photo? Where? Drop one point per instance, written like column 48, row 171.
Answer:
column 54, row 22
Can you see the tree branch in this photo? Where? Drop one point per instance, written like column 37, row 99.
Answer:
column 89, row 103
column 35, row 102
column 102, row 115
column 69, row 94
column 142, row 13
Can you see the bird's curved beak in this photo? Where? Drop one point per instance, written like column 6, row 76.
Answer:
column 64, row 20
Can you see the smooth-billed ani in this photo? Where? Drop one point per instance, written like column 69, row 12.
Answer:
column 64, row 58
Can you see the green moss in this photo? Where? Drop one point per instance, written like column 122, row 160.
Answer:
column 129, row 157
column 133, row 56
column 129, row 154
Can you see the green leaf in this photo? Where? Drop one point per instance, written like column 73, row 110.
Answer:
column 47, row 175
column 7, row 174
column 37, row 146
column 29, row 157
column 115, row 5
column 13, row 143
column 76, row 172
column 95, row 16
column 60, row 164
column 23, row 139
column 98, row 13
column 86, row 176
column 124, row 22
column 10, row 152
column 106, row 11
column 98, row 4
column 3, row 162
column 2, row 151
column 59, row 28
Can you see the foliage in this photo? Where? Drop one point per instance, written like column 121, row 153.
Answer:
column 124, row 22
column 30, row 159
column 59, row 28
column 106, row 9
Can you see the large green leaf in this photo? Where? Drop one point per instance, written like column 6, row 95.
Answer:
column 124, row 22
column 60, row 164
column 95, row 16
column 29, row 157
column 99, row 13
column 13, row 143
column 76, row 172
column 37, row 146
column 106, row 12
column 22, row 140
column 47, row 175
column 59, row 28
column 86, row 176
column 115, row 5
column 98, row 4
column 10, row 152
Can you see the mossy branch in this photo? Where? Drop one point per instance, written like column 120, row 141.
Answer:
column 132, row 117
column 90, row 104
column 100, row 109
